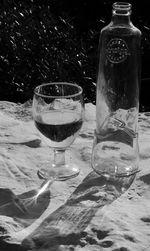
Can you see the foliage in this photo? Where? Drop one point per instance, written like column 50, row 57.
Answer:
column 37, row 45
column 54, row 40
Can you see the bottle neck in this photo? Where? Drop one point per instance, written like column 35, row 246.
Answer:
column 121, row 13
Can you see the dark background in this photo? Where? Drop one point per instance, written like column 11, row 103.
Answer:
column 57, row 40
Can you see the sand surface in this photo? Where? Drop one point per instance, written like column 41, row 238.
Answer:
column 86, row 213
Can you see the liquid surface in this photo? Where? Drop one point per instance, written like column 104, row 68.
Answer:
column 59, row 127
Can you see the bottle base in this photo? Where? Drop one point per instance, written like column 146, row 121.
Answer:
column 114, row 171
column 111, row 158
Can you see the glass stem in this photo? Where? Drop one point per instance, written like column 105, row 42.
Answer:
column 59, row 158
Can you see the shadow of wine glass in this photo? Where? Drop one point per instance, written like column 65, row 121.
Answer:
column 25, row 207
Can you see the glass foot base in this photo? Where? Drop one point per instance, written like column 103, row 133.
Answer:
column 59, row 173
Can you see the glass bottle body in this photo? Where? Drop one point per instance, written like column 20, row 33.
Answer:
column 115, row 149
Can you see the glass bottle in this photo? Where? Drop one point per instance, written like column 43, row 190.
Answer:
column 115, row 148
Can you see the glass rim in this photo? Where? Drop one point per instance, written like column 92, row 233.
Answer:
column 122, row 5
column 80, row 90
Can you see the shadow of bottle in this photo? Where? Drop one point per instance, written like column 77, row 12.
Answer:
column 66, row 225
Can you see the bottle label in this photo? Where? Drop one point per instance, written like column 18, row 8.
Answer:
column 117, row 50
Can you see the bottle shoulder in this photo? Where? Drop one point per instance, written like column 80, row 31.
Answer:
column 126, row 29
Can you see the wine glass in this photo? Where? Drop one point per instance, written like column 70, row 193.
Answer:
column 58, row 112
